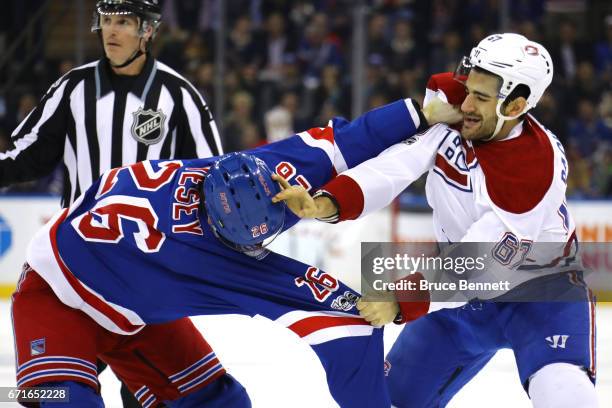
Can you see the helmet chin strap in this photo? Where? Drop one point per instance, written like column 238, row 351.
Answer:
column 135, row 55
column 501, row 118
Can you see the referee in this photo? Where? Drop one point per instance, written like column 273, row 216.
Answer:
column 124, row 108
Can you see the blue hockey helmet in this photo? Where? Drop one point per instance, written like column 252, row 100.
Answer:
column 238, row 193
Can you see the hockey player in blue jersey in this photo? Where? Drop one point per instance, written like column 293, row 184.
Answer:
column 159, row 240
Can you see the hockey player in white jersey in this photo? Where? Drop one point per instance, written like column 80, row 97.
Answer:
column 499, row 178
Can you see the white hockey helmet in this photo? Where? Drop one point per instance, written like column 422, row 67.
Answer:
column 516, row 60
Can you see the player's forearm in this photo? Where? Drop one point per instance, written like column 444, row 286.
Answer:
column 375, row 183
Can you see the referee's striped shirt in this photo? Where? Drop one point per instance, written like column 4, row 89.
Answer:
column 94, row 120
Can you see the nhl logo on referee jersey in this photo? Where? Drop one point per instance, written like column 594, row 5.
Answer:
column 147, row 126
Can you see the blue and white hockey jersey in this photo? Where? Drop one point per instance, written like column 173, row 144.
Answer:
column 135, row 249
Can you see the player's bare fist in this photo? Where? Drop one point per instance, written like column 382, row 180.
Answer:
column 438, row 111
column 301, row 203
column 378, row 312
column 296, row 197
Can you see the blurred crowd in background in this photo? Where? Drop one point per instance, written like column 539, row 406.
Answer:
column 288, row 66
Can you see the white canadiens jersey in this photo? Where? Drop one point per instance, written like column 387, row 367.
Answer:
column 478, row 192
column 509, row 192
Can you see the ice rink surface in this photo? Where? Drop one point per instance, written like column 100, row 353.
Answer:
column 280, row 371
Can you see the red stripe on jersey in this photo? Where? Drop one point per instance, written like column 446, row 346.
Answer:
column 519, row 171
column 469, row 152
column 120, row 320
column 310, row 325
column 348, row 195
column 450, row 172
column 326, row 133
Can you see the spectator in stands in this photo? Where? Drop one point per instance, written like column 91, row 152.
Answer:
column 317, row 49
column 588, row 131
column 278, row 124
column 605, row 180
column 249, row 82
column 530, row 30
column 603, row 53
column 328, row 111
column 376, row 76
column 442, row 20
column 377, row 38
column 300, row 121
column 27, row 101
column 204, row 80
column 547, row 111
column 377, row 100
column 409, row 82
column 277, row 44
column 567, row 52
column 292, row 79
column 238, row 123
column 587, row 84
column 444, row 59
column 404, row 50
column 251, row 136
column 578, row 181
column 243, row 46
column 605, row 109
column 332, row 90
column 65, row 66
column 196, row 51
column 186, row 15
column 527, row 10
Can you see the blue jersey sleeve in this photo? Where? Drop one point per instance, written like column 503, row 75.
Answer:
column 314, row 157
column 376, row 130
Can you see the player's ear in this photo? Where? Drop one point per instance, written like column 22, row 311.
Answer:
column 515, row 107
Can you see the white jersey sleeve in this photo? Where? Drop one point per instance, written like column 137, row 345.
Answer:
column 374, row 184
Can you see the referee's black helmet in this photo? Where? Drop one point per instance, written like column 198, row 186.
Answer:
column 148, row 11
